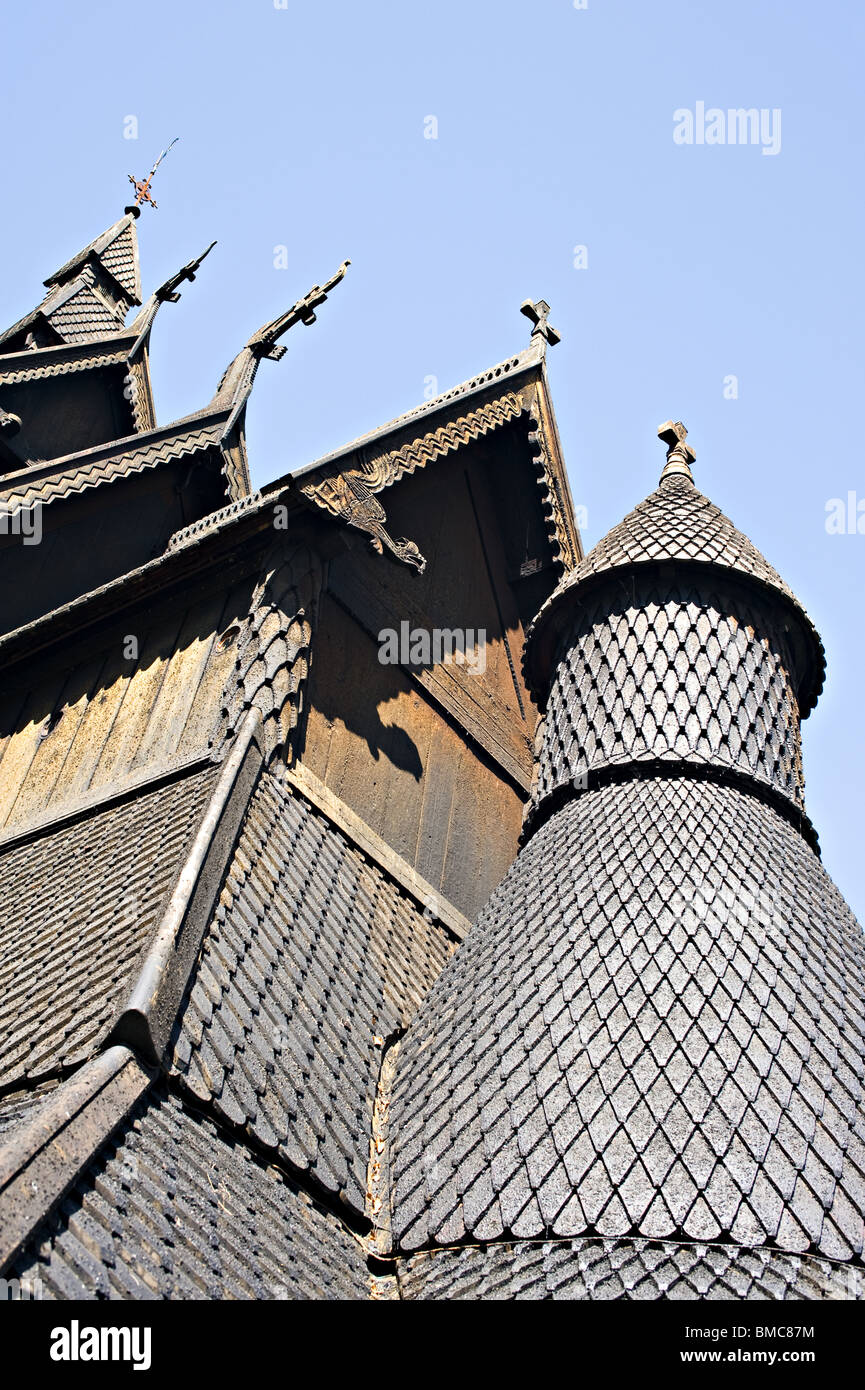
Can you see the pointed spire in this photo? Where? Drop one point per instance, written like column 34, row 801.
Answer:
column 680, row 455
column 115, row 253
column 568, row 1076
column 88, row 297
column 675, row 523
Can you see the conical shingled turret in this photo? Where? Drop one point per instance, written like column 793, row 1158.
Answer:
column 677, row 642
column 646, row 1061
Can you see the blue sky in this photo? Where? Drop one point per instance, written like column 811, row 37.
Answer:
column 303, row 127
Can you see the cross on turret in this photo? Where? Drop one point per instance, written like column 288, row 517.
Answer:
column 538, row 313
column 680, row 455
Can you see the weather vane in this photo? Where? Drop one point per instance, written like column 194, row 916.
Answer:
column 142, row 187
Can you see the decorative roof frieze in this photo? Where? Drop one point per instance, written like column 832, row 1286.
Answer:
column 60, row 478
column 349, row 495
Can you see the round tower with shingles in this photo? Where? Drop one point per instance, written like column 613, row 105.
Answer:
column 642, row 1073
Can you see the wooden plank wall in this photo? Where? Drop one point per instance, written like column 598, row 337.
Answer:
column 63, row 414
column 96, row 535
column 64, row 736
column 438, row 762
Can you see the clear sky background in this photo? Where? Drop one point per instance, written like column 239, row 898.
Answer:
column 303, row 127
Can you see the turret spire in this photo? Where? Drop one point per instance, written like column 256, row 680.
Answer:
column 631, row 1045
column 88, row 298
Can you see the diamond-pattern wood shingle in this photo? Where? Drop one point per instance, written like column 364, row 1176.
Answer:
column 89, row 297
column 677, row 522
column 655, row 1029
column 674, row 671
column 120, row 258
column 77, row 904
column 84, row 316
column 173, row 1208
column 653, row 1039
column 313, row 959
column 677, row 525
column 633, row 1270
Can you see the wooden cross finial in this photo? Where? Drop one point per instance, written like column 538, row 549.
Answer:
column 680, row 455
column 538, row 312
column 142, row 186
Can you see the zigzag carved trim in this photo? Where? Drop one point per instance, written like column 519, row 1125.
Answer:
column 107, row 469
column 388, row 468
column 77, row 364
column 349, row 495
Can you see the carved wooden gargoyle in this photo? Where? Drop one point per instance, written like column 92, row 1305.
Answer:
column 348, row 497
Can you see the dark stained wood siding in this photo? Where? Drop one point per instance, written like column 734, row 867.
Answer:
column 93, row 536
column 437, row 760
column 379, row 744
column 65, row 736
column 89, row 404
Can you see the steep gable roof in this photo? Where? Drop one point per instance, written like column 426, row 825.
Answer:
column 117, row 250
column 88, row 297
